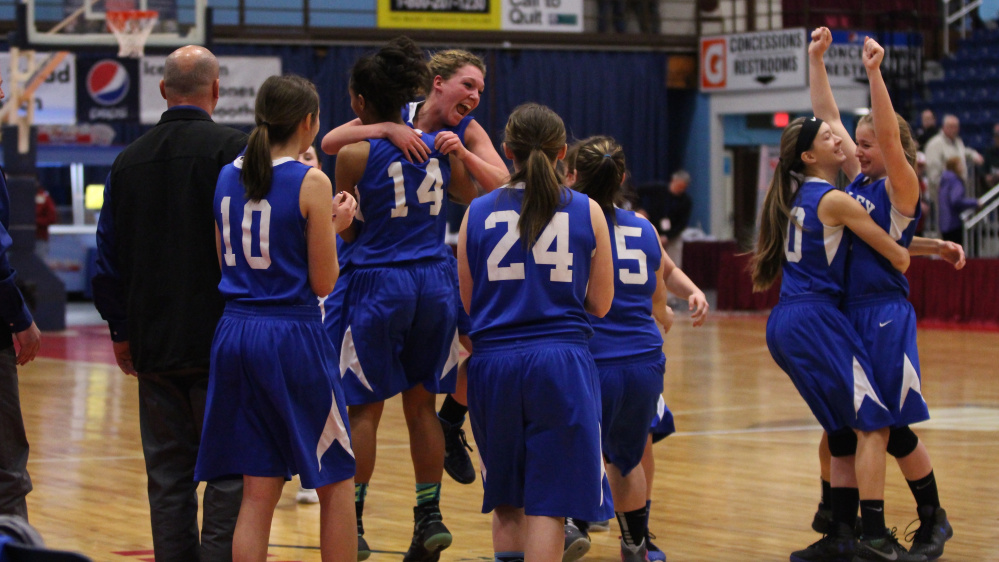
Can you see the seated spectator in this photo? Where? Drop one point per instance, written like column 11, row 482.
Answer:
column 953, row 201
column 927, row 127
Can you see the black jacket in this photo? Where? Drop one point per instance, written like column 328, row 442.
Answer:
column 158, row 271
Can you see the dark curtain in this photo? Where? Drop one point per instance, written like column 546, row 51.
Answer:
column 610, row 93
column 621, row 94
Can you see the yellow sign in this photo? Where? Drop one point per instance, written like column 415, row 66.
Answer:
column 440, row 14
column 93, row 197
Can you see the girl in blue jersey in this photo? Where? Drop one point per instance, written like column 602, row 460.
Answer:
column 453, row 92
column 275, row 406
column 803, row 242
column 397, row 322
column 631, row 375
column 534, row 259
column 882, row 164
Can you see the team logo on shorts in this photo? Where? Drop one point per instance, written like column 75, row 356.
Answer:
column 108, row 82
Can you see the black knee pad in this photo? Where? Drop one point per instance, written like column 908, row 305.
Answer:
column 902, row 441
column 843, row 443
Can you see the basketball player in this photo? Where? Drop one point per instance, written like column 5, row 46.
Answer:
column 275, row 406
column 882, row 164
column 397, row 322
column 631, row 375
column 533, row 259
column 458, row 78
column 803, row 240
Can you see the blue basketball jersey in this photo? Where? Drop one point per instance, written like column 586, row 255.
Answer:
column 401, row 205
column 868, row 272
column 409, row 112
column 637, row 254
column 517, row 293
column 814, row 254
column 264, row 251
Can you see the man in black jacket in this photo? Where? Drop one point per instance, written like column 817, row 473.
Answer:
column 157, row 287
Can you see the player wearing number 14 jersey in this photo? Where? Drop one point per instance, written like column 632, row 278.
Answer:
column 397, row 320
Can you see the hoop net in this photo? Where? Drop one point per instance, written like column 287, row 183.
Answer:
column 131, row 28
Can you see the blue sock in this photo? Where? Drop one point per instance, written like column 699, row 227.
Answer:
column 509, row 557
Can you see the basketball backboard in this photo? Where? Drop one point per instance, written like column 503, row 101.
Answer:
column 74, row 24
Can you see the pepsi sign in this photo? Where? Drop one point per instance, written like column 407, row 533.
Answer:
column 107, row 89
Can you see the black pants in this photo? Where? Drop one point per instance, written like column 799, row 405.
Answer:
column 14, row 480
column 171, row 412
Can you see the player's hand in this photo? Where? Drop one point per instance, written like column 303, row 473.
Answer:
column 344, row 209
column 447, row 142
column 698, row 305
column 408, row 140
column 873, row 54
column 123, row 355
column 28, row 343
column 669, row 317
column 821, row 39
column 953, row 253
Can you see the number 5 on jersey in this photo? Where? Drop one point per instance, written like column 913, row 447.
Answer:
column 262, row 209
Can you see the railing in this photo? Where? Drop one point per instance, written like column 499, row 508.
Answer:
column 963, row 11
column 981, row 229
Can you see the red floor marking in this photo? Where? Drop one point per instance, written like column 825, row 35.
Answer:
column 133, row 552
column 82, row 343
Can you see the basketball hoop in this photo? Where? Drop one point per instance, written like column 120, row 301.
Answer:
column 131, row 28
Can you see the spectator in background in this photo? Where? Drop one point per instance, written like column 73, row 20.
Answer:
column 613, row 12
column 677, row 215
column 952, row 200
column 943, row 146
column 927, row 127
column 45, row 215
column 990, row 169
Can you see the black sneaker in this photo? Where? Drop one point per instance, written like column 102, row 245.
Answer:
column 430, row 536
column 363, row 550
column 833, row 547
column 577, row 541
column 823, row 519
column 934, row 530
column 884, row 548
column 457, row 463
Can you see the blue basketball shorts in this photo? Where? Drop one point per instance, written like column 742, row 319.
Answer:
column 535, row 416
column 398, row 330
column 887, row 327
column 630, row 390
column 332, row 309
column 274, row 406
column 814, row 343
column 662, row 425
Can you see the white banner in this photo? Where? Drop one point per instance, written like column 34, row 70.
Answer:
column 543, row 15
column 239, row 79
column 55, row 99
column 754, row 61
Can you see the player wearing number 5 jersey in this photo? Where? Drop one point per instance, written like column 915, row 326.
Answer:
column 626, row 344
column 274, row 405
column 397, row 319
column 533, row 261
column 803, row 240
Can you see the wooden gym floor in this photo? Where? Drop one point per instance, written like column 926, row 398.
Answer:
column 739, row 481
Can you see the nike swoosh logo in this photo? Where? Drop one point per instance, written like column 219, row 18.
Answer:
column 883, row 324
column 892, row 556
